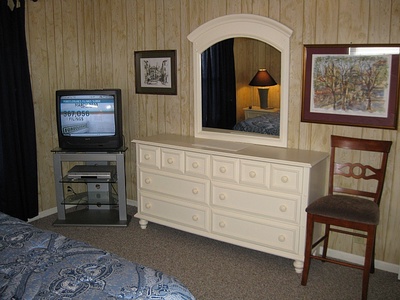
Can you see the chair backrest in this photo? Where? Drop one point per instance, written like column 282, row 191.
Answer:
column 357, row 171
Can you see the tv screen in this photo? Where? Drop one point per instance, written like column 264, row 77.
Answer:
column 89, row 119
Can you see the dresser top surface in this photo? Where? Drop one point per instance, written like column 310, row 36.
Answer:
column 306, row 158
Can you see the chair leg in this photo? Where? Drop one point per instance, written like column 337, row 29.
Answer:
column 326, row 240
column 368, row 261
column 308, row 249
column 372, row 269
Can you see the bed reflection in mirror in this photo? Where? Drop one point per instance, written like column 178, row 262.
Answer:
column 228, row 101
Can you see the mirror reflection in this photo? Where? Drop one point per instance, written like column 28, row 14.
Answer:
column 253, row 29
column 234, row 96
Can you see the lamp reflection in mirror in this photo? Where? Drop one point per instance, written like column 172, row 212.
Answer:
column 263, row 80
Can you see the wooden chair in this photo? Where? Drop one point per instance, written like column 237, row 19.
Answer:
column 349, row 210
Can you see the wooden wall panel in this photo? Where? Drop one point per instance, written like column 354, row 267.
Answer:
column 91, row 44
column 394, row 22
column 290, row 10
column 39, row 62
column 87, row 25
column 379, row 22
column 184, row 74
column 172, row 32
column 131, row 107
column 235, row 6
column 353, row 21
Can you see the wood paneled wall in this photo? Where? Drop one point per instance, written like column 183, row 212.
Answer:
column 91, row 44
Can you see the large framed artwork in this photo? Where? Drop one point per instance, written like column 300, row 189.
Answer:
column 355, row 85
column 155, row 72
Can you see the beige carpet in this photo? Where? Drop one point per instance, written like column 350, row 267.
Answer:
column 214, row 270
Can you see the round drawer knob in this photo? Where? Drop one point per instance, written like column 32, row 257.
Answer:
column 222, row 169
column 195, row 165
column 147, row 180
column 281, row 238
column 195, row 191
column 170, row 161
column 147, row 156
column 222, row 224
column 148, row 205
column 284, row 179
column 252, row 174
column 283, row 208
column 195, row 218
column 222, row 196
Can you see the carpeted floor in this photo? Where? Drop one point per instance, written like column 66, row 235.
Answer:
column 215, row 270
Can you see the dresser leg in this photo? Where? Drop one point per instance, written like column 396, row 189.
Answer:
column 298, row 266
column 143, row 223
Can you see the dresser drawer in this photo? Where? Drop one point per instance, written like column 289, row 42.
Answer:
column 225, row 169
column 172, row 160
column 274, row 205
column 286, row 178
column 254, row 231
column 254, row 173
column 149, row 156
column 197, row 164
column 193, row 189
column 173, row 211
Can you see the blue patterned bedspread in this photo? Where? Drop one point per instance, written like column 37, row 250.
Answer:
column 265, row 124
column 38, row 264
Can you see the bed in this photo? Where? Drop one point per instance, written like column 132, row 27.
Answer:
column 265, row 124
column 38, row 264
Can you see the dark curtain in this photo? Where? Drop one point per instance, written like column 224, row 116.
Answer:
column 18, row 164
column 219, row 86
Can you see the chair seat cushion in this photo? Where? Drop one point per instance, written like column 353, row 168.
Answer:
column 346, row 208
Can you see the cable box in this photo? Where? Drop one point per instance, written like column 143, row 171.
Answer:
column 92, row 171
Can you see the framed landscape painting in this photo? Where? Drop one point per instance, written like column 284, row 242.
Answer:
column 355, row 85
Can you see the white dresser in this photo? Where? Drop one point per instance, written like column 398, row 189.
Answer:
column 249, row 195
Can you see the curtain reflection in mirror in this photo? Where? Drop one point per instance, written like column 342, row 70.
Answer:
column 219, row 86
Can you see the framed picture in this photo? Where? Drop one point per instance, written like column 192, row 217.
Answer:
column 355, row 85
column 155, row 72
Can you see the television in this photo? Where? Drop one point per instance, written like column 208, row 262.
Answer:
column 89, row 119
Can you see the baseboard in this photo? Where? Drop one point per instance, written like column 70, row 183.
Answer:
column 45, row 213
column 131, row 202
column 51, row 211
column 381, row 265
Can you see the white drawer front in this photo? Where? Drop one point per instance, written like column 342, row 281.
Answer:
column 225, row 168
column 286, row 178
column 196, row 217
column 193, row 189
column 267, row 205
column 253, row 231
column 197, row 164
column 254, row 173
column 172, row 160
column 149, row 156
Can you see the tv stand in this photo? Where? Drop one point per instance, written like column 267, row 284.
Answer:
column 89, row 189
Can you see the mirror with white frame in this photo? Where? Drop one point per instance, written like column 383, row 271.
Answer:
column 247, row 29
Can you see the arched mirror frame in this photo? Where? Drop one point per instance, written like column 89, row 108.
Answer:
column 250, row 26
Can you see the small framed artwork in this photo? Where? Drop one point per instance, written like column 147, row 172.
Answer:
column 155, row 72
column 354, row 85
